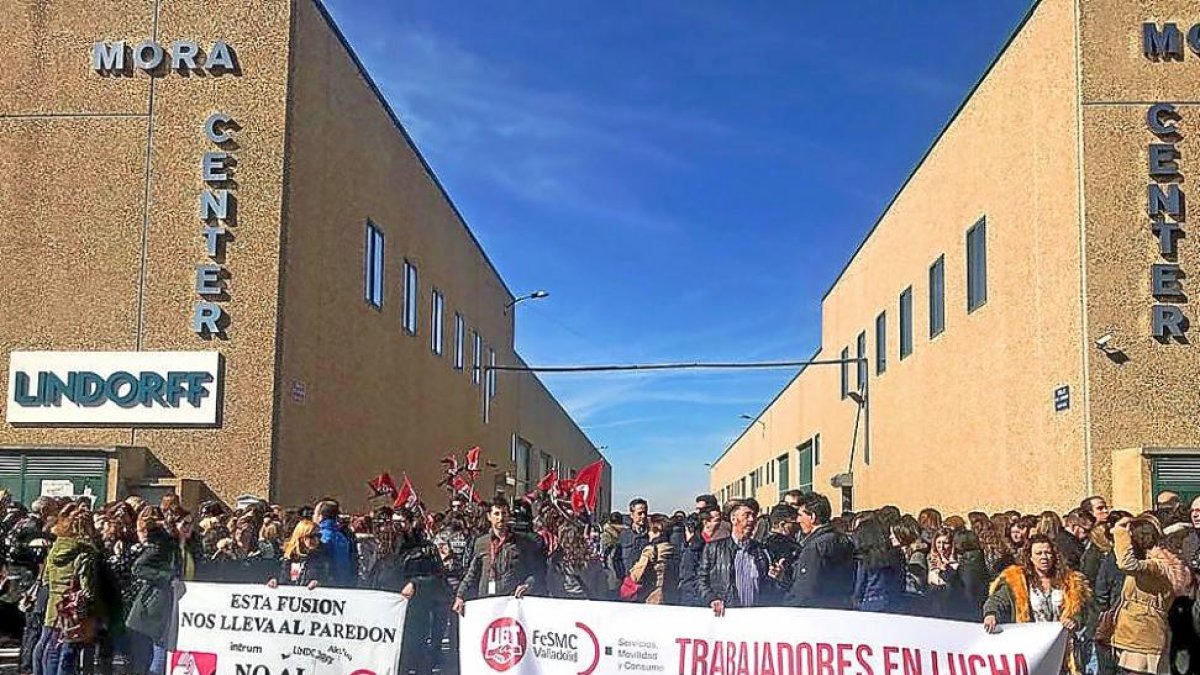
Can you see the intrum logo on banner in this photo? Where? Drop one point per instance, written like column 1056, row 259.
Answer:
column 503, row 644
column 193, row 663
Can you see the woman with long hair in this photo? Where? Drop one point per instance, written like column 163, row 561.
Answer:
column 943, row 580
column 1039, row 589
column 1155, row 577
column 1049, row 524
column 305, row 562
column 1018, row 533
column 996, row 553
column 930, row 521
column 573, row 572
column 879, row 568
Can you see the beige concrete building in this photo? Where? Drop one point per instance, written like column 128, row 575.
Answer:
column 238, row 274
column 1021, row 305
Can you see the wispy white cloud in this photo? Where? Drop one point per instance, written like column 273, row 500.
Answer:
column 538, row 145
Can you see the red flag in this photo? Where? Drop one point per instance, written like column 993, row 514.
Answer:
column 473, row 459
column 587, row 487
column 407, row 497
column 464, row 487
column 564, row 488
column 548, row 481
column 382, row 485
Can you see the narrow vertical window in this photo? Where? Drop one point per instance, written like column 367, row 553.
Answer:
column 491, row 379
column 906, row 341
column 483, row 392
column 437, row 318
column 373, row 267
column 977, row 265
column 460, row 329
column 860, row 351
column 476, row 357
column 410, row 298
column 881, row 343
column 845, row 371
column 937, row 297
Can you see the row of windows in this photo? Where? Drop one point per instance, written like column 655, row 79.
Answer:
column 373, row 285
column 808, row 455
column 976, row 298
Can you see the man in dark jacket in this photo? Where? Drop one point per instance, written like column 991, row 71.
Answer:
column 781, row 541
column 496, row 567
column 823, row 574
column 632, row 539
column 735, row 571
column 409, row 564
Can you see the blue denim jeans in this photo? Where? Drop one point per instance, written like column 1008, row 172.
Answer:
column 56, row 657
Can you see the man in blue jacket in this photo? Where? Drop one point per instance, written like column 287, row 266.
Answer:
column 337, row 544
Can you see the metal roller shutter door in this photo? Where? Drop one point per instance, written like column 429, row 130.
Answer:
column 1178, row 473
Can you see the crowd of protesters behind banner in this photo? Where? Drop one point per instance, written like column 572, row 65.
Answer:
column 94, row 588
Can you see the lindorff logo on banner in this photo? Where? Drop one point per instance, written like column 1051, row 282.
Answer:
column 134, row 388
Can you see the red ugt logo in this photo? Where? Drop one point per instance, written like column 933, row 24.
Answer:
column 503, row 644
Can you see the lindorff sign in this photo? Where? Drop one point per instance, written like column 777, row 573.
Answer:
column 118, row 58
column 114, row 388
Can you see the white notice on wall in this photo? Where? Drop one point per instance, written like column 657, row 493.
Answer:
column 58, row 487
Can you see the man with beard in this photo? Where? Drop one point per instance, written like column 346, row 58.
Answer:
column 409, row 564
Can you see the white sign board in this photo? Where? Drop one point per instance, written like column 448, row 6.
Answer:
column 249, row 629
column 58, row 487
column 134, row 388
column 567, row 637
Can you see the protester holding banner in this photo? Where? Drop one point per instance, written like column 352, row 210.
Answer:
column 496, row 567
column 408, row 564
column 1039, row 589
column 735, row 571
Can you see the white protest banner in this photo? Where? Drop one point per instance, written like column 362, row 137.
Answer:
column 246, row 629
column 570, row 637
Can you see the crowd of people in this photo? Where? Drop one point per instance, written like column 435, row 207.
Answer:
column 92, row 589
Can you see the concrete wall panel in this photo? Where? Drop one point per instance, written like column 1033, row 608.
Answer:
column 47, row 56
column 71, row 190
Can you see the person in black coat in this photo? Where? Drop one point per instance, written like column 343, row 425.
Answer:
column 823, row 574
column 155, row 571
column 721, row 580
column 689, row 562
column 633, row 539
column 408, row 564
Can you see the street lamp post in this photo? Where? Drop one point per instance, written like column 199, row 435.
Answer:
column 756, row 421
column 536, row 295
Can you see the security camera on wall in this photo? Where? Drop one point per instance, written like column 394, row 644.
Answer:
column 1102, row 342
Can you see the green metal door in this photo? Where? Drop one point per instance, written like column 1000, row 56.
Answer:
column 29, row 474
column 1178, row 473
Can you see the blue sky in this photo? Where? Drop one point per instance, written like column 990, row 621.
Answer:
column 685, row 178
